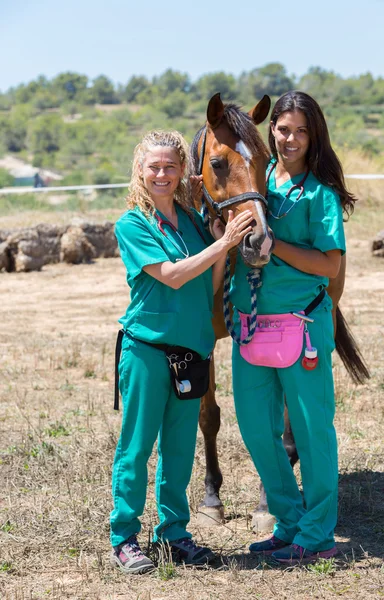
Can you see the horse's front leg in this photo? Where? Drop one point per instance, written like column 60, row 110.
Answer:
column 211, row 511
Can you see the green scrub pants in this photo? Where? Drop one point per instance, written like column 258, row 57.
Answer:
column 259, row 400
column 151, row 409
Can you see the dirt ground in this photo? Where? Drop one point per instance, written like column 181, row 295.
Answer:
column 58, row 432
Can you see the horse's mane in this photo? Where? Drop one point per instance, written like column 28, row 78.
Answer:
column 241, row 124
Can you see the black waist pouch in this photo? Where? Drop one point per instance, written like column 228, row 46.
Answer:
column 189, row 372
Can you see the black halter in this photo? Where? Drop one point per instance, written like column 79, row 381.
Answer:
column 218, row 206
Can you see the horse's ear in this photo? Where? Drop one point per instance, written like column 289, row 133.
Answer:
column 215, row 111
column 260, row 112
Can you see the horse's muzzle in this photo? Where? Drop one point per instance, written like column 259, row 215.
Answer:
column 256, row 250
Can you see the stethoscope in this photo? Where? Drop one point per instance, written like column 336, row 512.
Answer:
column 296, row 186
column 160, row 223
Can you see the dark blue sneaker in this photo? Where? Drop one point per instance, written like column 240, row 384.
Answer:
column 295, row 555
column 185, row 550
column 268, row 546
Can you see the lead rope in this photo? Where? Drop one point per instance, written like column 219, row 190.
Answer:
column 254, row 280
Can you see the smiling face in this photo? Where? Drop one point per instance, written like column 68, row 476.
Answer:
column 292, row 138
column 162, row 172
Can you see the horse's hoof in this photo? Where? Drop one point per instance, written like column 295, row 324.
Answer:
column 262, row 521
column 210, row 516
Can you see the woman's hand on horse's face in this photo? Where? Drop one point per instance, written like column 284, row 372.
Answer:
column 237, row 227
column 196, row 182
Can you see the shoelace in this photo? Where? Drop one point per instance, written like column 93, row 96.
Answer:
column 189, row 543
column 274, row 541
column 132, row 547
column 299, row 549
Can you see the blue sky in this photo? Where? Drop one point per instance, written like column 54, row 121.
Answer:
column 132, row 37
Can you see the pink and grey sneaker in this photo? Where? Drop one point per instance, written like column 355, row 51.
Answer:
column 185, row 550
column 297, row 555
column 129, row 557
column 268, row 546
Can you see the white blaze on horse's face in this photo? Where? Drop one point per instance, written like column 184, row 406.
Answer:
column 242, row 149
column 267, row 243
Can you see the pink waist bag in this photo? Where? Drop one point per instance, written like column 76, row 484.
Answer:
column 277, row 341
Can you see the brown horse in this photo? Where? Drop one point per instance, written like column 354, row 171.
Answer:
column 230, row 154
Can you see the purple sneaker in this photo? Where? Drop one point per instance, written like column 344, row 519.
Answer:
column 297, row 555
column 268, row 546
column 129, row 557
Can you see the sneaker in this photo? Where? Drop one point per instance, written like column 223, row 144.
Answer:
column 294, row 555
column 268, row 546
column 129, row 557
column 185, row 550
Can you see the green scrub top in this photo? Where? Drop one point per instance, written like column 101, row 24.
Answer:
column 315, row 221
column 157, row 313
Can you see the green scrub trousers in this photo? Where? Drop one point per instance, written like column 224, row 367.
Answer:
column 151, row 409
column 158, row 314
column 259, row 402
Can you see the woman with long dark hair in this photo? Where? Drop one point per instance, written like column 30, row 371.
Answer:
column 306, row 198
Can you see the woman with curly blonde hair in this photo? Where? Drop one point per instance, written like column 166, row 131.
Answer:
column 173, row 268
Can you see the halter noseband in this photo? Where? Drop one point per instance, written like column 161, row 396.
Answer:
column 219, row 206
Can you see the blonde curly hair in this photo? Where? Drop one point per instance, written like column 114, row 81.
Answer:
column 138, row 195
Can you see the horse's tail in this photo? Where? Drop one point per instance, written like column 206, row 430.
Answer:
column 349, row 351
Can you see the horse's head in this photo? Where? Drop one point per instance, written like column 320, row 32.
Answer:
column 232, row 158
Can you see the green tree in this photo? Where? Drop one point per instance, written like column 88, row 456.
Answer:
column 14, row 129
column 148, row 96
column 134, row 87
column 208, row 85
column 103, row 91
column 6, row 179
column 70, row 86
column 45, row 134
column 272, row 79
column 172, row 81
column 175, row 104
column 321, row 84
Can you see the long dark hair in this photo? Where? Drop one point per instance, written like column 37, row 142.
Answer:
column 321, row 158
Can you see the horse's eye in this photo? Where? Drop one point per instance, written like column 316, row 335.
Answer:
column 217, row 163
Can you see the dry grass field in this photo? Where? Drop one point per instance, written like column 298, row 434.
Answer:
column 58, row 432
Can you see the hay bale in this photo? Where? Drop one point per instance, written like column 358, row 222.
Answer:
column 4, row 256
column 75, row 247
column 378, row 245
column 100, row 235
column 31, row 248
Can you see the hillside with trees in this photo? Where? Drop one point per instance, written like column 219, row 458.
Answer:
column 86, row 130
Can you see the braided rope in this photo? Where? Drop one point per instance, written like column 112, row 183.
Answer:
column 204, row 213
column 254, row 280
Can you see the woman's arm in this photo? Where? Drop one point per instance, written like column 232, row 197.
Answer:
column 177, row 274
column 326, row 264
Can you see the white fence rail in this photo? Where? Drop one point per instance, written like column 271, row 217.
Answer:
column 71, row 188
